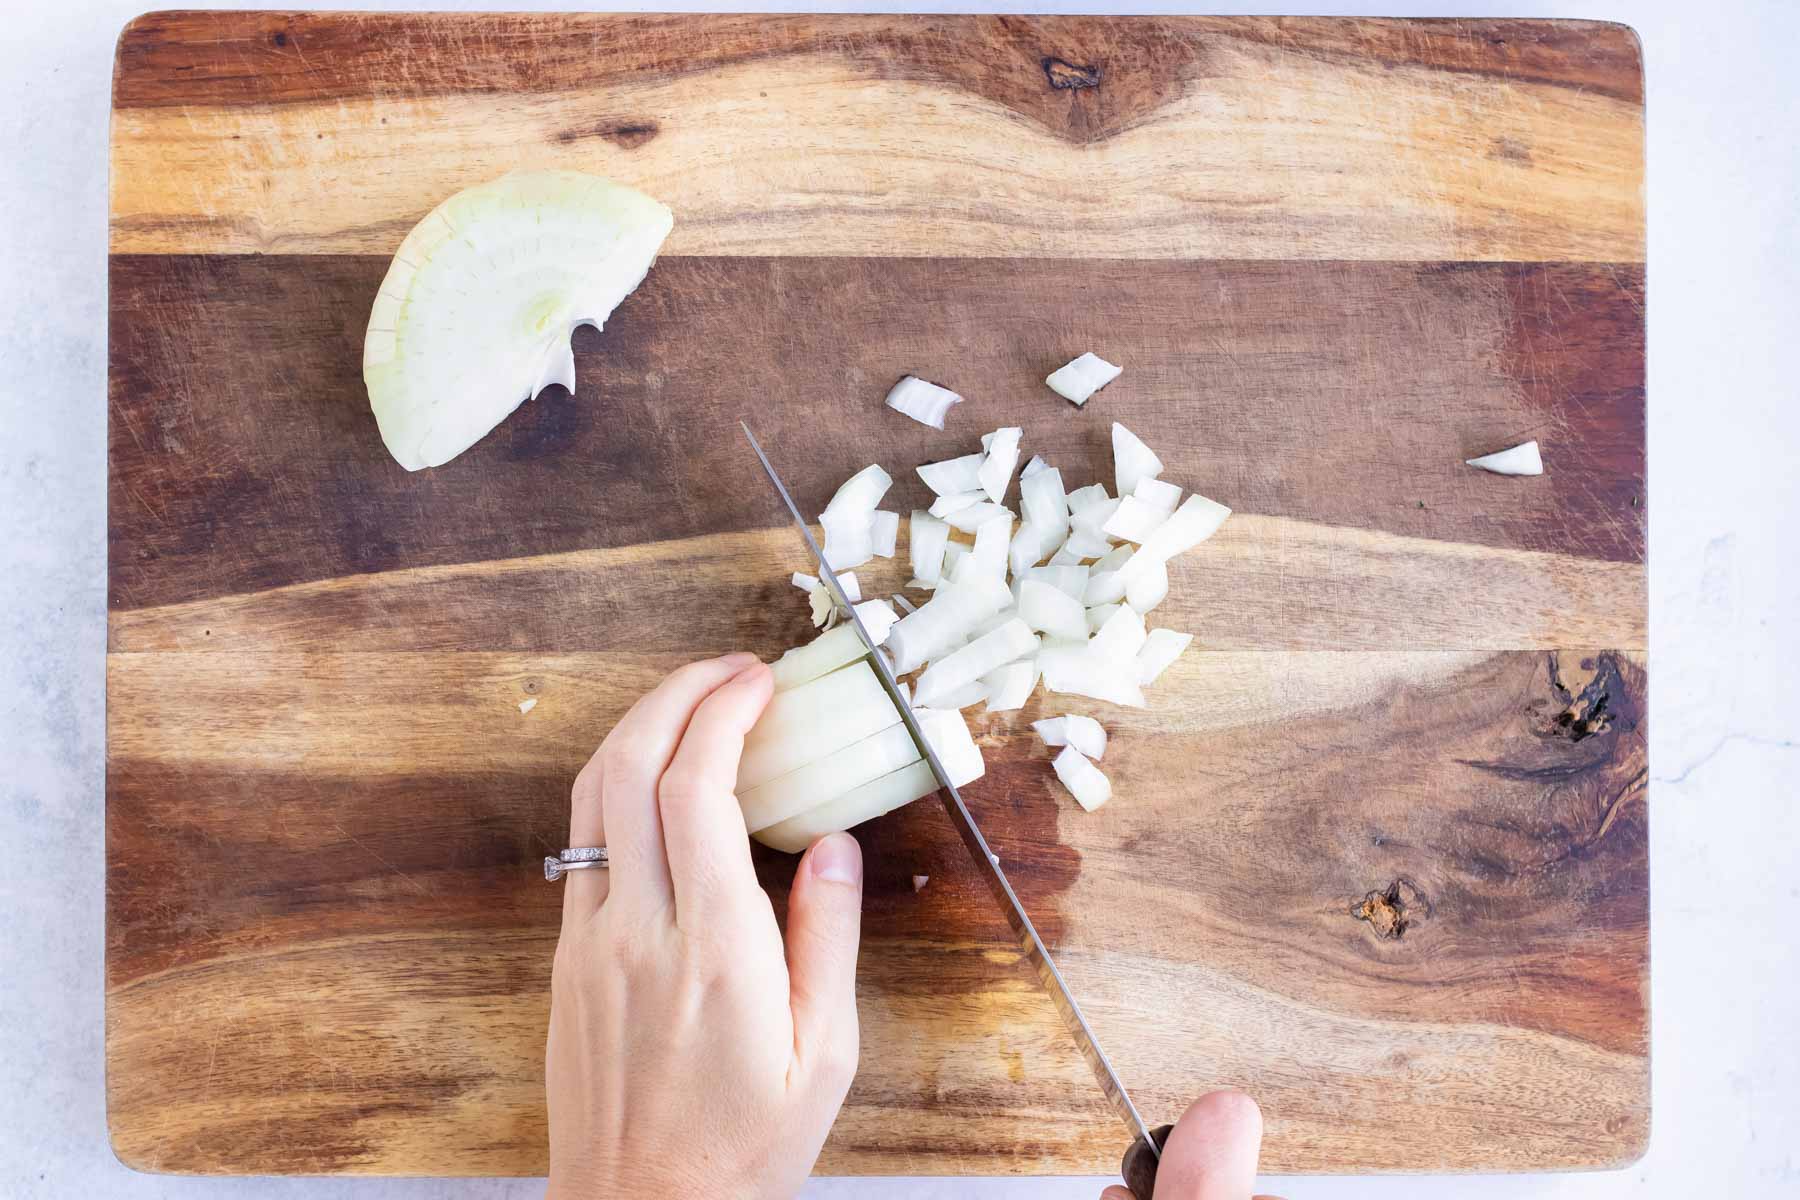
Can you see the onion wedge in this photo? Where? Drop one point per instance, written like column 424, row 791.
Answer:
column 1132, row 460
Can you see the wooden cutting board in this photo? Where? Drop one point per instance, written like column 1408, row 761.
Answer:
column 1378, row 851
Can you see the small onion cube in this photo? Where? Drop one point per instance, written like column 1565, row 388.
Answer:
column 878, row 617
column 1052, row 730
column 1519, row 460
column 1006, row 644
column 1032, row 467
column 848, row 542
column 1196, row 520
column 1083, row 498
column 1114, row 560
column 1120, row 636
column 1002, row 456
column 1134, row 520
column 1043, row 606
column 954, row 554
column 1132, row 460
column 851, row 584
column 1064, row 557
column 926, row 539
column 1159, row 650
column 1030, row 544
column 1086, row 782
column 969, row 519
column 1158, row 494
column 1075, row 381
column 1085, row 544
column 861, row 492
column 884, row 533
column 992, row 539
column 1104, row 587
column 926, row 403
column 805, row 582
column 1041, row 498
column 1069, row 577
column 1148, row 588
column 944, row 621
column 953, row 475
column 1077, row 670
column 1099, row 615
column 822, row 607
column 1010, row 686
column 943, row 506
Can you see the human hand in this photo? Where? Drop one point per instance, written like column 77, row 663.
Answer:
column 1211, row 1152
column 688, row 1055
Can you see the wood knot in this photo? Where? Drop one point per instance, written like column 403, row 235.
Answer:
column 1392, row 910
column 627, row 135
column 1591, row 706
column 1065, row 76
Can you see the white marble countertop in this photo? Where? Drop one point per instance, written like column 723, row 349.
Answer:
column 1724, row 150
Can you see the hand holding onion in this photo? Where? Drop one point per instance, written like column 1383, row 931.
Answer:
column 691, row 1053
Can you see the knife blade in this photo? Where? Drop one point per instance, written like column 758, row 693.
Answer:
column 1139, row 1162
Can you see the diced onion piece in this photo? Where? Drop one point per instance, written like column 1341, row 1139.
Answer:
column 962, row 697
column 975, row 516
column 851, row 584
column 1086, row 735
column 1104, row 587
column 1009, row 687
column 1077, row 670
column 948, row 735
column 474, row 315
column 954, row 475
column 821, row 656
column 1196, row 520
column 1084, row 498
column 1048, row 608
column 1093, row 518
column 1135, row 520
column 836, row 773
column 991, row 541
column 1041, row 498
column 944, row 621
column 1158, row 494
column 1030, row 544
column 847, row 539
column 1006, row 644
column 926, row 539
column 805, row 582
column 997, row 468
column 861, row 492
column 1032, row 467
column 1099, row 615
column 878, row 617
column 1064, row 557
column 1148, row 588
column 527, row 704
column 1519, row 460
column 884, row 533
column 943, row 506
column 926, row 403
column 919, row 882
column 1114, row 560
column 954, row 553
column 1120, row 637
column 1077, row 380
column 883, row 795
column 1132, row 460
column 1086, row 782
column 1085, row 544
column 812, row 720
column 1159, row 650
column 1053, row 731
column 1068, row 577
column 822, row 607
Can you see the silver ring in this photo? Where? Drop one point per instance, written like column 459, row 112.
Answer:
column 578, row 858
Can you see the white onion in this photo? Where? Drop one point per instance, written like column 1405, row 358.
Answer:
column 1114, row 559
column 873, row 799
column 821, row 656
column 1083, row 733
column 1051, row 730
column 1035, row 464
column 884, row 533
column 861, row 492
column 1099, row 615
column 1087, row 544
column 991, row 542
column 805, row 582
column 1030, row 544
column 1196, row 520
column 474, row 315
column 944, row 620
column 1148, row 588
column 1103, row 587
column 953, row 476
column 1120, row 637
column 1078, row 671
column 1048, row 608
column 1041, row 498
column 997, row 468
column 1068, row 577
column 926, row 538
column 954, row 553
column 1006, row 644
column 1132, row 460
column 1077, row 380
column 848, row 542
column 1519, row 460
column 1064, row 557
column 1010, row 686
column 1086, row 782
column 962, row 697
column 969, row 519
column 1092, row 518
column 851, row 584
column 943, row 506
column 878, row 617
column 836, row 773
column 1159, row 650
column 926, row 403
column 1134, row 520
column 809, row 721
column 1083, row 498
column 1158, row 494
column 822, row 607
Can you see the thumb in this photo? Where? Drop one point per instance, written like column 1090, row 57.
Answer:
column 1211, row 1155
column 824, row 925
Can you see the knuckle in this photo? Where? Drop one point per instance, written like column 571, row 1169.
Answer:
column 681, row 787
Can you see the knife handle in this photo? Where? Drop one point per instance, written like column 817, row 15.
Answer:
column 1139, row 1165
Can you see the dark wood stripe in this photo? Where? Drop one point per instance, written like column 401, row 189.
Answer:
column 243, row 454
column 1082, row 77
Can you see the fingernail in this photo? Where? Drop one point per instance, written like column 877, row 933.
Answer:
column 838, row 859
column 739, row 659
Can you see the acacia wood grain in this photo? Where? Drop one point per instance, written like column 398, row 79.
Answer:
column 1390, row 811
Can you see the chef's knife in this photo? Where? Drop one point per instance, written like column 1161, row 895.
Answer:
column 1139, row 1163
